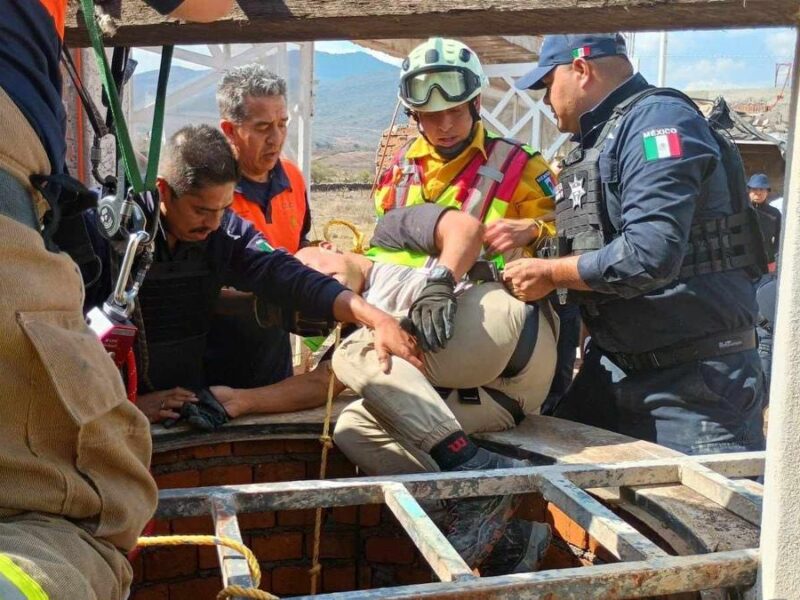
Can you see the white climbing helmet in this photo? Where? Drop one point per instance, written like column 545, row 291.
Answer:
column 440, row 74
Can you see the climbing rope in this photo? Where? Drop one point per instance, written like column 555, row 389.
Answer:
column 237, row 591
column 232, row 591
column 358, row 235
column 384, row 150
column 327, row 443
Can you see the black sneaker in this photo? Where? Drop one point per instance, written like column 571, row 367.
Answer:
column 475, row 525
column 485, row 460
column 519, row 550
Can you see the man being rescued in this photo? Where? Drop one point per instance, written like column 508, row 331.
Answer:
column 454, row 162
column 497, row 366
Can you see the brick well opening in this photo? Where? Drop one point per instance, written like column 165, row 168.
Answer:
column 362, row 547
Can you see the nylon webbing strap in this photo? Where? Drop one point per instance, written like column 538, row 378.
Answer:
column 485, row 187
column 121, row 129
column 157, row 127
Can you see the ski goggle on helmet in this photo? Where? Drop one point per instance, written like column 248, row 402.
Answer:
column 440, row 74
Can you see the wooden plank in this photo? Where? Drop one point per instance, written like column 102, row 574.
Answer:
column 699, row 524
column 548, row 439
column 491, row 49
column 446, row 563
column 620, row 580
column 303, row 20
column 731, row 494
column 234, row 568
column 314, row 493
column 614, row 534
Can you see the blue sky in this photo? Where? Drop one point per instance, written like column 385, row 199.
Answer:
column 736, row 58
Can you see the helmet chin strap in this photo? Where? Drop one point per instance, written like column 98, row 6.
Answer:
column 453, row 151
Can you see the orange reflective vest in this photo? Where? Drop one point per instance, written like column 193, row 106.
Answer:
column 58, row 10
column 282, row 223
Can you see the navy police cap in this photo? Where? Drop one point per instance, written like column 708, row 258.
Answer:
column 563, row 49
column 759, row 181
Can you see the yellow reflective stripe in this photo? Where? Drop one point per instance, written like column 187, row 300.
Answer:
column 378, row 200
column 497, row 210
column 415, row 195
column 448, row 198
column 397, row 257
column 13, row 580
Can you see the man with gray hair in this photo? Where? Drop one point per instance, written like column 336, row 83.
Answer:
column 271, row 194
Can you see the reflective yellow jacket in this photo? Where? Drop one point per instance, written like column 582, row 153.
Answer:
column 433, row 181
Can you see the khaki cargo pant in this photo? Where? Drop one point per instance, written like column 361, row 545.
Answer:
column 401, row 416
column 74, row 454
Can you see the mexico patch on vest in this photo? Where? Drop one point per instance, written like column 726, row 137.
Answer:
column 662, row 143
column 263, row 246
column 545, row 181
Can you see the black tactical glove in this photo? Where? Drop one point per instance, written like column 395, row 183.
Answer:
column 434, row 311
column 207, row 414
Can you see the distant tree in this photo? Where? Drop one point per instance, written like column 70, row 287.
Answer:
column 365, row 176
column 321, row 173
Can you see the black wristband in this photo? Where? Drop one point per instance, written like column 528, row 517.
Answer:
column 441, row 274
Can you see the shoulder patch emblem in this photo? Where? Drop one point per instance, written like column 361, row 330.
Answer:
column 662, row 143
column 264, row 246
column 546, row 182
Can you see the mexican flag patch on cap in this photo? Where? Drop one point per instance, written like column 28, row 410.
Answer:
column 582, row 52
column 662, row 143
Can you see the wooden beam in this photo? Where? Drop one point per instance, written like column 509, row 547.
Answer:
column 300, row 20
column 491, row 49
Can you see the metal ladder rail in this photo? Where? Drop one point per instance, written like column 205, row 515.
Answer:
column 645, row 570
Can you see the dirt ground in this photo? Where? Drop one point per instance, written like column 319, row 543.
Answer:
column 351, row 206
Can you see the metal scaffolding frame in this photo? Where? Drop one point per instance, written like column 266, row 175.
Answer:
column 505, row 100
column 778, row 576
column 644, row 570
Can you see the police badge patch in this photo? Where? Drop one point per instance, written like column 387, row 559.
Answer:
column 576, row 191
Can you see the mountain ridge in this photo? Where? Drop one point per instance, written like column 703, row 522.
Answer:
column 354, row 98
